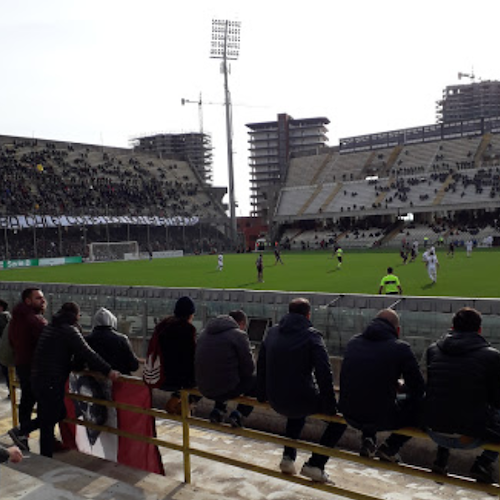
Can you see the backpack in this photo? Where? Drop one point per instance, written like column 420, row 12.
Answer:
column 153, row 375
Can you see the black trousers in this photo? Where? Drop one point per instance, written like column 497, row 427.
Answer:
column 246, row 387
column 51, row 410
column 330, row 438
column 28, row 401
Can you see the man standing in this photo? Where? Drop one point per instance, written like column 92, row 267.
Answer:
column 463, row 390
column 224, row 365
column 277, row 256
column 468, row 247
column 259, row 264
column 339, row 253
column 451, row 249
column 390, row 284
column 295, row 376
column 432, row 263
column 60, row 348
column 220, row 262
column 372, row 398
column 25, row 329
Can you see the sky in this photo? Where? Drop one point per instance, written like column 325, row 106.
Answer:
column 105, row 71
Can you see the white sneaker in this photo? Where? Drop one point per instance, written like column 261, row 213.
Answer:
column 287, row 466
column 315, row 473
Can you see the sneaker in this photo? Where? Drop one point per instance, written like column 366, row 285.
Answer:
column 386, row 455
column 236, row 419
column 287, row 466
column 216, row 416
column 482, row 472
column 368, row 448
column 315, row 473
column 20, row 440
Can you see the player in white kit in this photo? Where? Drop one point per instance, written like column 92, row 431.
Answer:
column 220, row 262
column 468, row 247
column 432, row 263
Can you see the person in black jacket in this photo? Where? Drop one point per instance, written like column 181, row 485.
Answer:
column 463, row 390
column 372, row 397
column 295, row 376
column 60, row 346
column 113, row 346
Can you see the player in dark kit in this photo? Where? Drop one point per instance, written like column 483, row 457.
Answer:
column 259, row 264
column 277, row 256
column 404, row 254
column 451, row 249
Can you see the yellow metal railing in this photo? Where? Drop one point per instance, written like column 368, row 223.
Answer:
column 187, row 450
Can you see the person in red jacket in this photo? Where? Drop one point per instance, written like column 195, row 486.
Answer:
column 25, row 329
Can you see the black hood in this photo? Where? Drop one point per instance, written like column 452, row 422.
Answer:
column 293, row 323
column 458, row 343
column 380, row 329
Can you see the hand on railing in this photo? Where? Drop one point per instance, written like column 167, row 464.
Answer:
column 114, row 375
column 15, row 454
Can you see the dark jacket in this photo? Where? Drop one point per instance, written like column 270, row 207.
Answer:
column 373, row 363
column 223, row 357
column 293, row 369
column 25, row 328
column 113, row 346
column 177, row 339
column 4, row 320
column 4, row 455
column 60, row 346
column 463, row 384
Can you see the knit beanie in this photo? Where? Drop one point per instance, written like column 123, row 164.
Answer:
column 184, row 307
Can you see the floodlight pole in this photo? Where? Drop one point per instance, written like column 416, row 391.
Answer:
column 220, row 38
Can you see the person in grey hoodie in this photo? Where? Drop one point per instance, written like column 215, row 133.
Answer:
column 224, row 365
column 113, row 346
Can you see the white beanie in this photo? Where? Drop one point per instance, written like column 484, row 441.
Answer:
column 104, row 317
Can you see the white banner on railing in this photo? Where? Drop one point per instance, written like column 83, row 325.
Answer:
column 51, row 221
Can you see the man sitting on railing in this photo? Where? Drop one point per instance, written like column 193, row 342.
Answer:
column 224, row 365
column 295, row 376
column 372, row 398
column 463, row 393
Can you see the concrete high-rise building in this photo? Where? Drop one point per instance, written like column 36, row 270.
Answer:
column 272, row 144
column 195, row 148
column 469, row 101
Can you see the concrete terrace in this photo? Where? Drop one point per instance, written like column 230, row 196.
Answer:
column 74, row 476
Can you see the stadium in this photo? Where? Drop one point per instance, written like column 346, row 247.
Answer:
column 134, row 229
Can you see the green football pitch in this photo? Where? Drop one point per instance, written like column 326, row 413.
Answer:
column 478, row 276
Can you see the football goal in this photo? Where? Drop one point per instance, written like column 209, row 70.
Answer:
column 113, row 250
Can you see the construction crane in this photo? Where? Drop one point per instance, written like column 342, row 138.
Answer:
column 200, row 103
column 470, row 75
column 200, row 108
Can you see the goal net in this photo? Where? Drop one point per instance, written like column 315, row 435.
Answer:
column 114, row 250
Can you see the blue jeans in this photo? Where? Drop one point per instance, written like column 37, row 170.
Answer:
column 457, row 443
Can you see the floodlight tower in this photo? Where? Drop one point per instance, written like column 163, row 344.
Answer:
column 226, row 46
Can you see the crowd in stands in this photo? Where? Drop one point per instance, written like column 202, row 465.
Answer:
column 382, row 386
column 56, row 178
